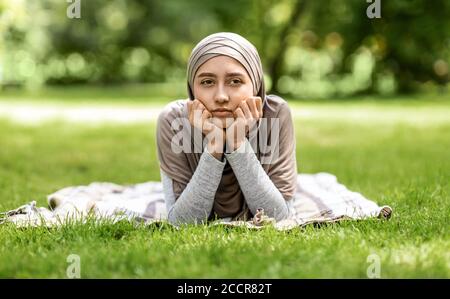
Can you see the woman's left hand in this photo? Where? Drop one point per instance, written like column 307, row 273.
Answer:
column 246, row 117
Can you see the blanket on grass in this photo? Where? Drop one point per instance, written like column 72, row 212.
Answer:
column 319, row 198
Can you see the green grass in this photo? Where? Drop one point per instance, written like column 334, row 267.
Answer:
column 394, row 152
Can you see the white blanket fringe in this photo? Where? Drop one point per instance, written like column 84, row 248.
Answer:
column 319, row 198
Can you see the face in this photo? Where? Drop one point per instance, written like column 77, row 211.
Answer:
column 221, row 84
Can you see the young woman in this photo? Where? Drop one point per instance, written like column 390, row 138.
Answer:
column 245, row 141
column 225, row 152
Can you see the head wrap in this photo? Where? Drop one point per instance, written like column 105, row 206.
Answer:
column 232, row 45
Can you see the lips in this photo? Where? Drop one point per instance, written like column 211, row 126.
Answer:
column 221, row 112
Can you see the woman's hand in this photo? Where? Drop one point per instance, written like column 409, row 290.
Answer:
column 201, row 119
column 246, row 117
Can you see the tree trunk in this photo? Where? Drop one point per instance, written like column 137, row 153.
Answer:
column 275, row 68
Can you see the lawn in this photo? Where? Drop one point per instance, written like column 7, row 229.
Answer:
column 394, row 151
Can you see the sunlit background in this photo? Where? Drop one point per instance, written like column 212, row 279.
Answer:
column 309, row 49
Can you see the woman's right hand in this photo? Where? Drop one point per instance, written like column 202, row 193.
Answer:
column 201, row 119
column 198, row 114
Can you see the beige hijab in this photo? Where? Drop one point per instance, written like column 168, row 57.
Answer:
column 234, row 46
column 180, row 167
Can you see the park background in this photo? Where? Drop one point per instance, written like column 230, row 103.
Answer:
column 370, row 100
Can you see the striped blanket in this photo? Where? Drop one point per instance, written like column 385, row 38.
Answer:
column 319, row 198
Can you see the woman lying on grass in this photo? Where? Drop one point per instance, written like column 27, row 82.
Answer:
column 229, row 149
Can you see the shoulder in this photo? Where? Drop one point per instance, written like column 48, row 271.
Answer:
column 273, row 99
column 173, row 110
column 275, row 106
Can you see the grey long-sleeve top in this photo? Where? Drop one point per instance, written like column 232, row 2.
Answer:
column 196, row 201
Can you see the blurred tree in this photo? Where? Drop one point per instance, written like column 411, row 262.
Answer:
column 308, row 48
column 275, row 69
column 411, row 40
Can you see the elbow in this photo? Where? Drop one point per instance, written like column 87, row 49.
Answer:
column 278, row 210
column 174, row 219
column 280, row 213
column 283, row 214
column 178, row 220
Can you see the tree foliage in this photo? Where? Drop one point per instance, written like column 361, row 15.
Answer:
column 308, row 48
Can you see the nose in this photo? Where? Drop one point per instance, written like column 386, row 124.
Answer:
column 221, row 96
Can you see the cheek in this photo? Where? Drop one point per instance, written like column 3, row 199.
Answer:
column 197, row 92
column 241, row 95
column 203, row 96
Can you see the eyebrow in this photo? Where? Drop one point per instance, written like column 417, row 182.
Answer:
column 233, row 74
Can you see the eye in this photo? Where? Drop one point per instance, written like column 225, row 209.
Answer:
column 236, row 81
column 207, row 82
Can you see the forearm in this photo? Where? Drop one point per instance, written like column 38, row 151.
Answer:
column 195, row 202
column 259, row 191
